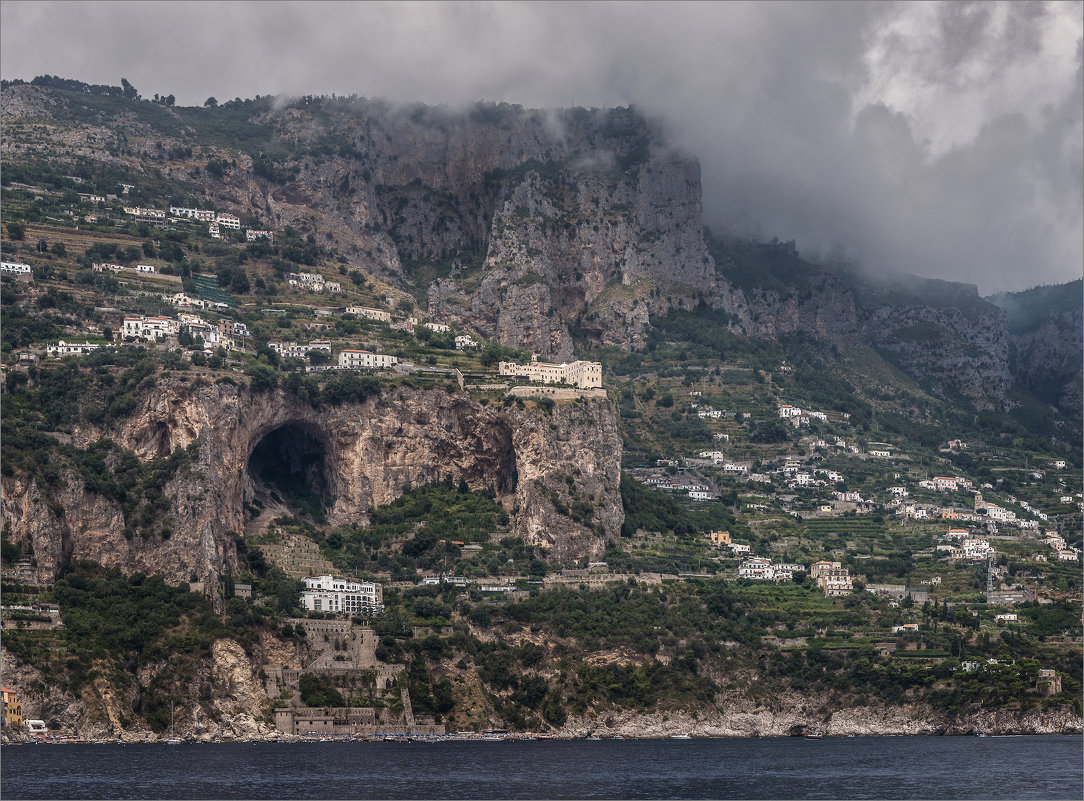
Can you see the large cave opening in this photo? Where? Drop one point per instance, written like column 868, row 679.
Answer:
column 288, row 474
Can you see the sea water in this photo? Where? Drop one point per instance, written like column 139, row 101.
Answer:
column 852, row 767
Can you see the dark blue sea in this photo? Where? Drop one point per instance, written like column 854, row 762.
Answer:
column 859, row 767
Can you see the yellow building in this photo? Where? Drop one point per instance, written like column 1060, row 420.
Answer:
column 13, row 710
column 720, row 538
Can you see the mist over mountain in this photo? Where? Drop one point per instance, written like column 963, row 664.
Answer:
column 943, row 140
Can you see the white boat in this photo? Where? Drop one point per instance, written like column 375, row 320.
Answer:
column 680, row 737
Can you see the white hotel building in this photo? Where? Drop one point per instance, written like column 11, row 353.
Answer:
column 327, row 594
column 584, row 375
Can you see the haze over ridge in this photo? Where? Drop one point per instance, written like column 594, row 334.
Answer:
column 938, row 139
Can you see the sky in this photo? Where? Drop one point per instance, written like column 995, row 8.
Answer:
column 940, row 139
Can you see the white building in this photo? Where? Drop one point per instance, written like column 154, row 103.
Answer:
column 149, row 328
column 228, row 221
column 370, row 314
column 144, row 268
column 757, row 568
column 288, row 350
column 213, row 230
column 15, row 268
column 787, row 411
column 145, row 214
column 465, row 342
column 579, row 374
column 350, row 359
column 202, row 215
column 739, row 548
column 251, row 235
column 976, row 549
column 205, row 331
column 700, row 495
column 436, row 328
column 312, row 282
column 882, row 454
column 62, row 349
column 327, row 594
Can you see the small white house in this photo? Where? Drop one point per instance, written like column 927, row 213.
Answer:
column 465, row 342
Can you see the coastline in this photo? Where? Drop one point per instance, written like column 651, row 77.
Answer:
column 901, row 721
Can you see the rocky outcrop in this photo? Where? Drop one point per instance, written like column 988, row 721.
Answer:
column 232, row 704
column 360, row 456
column 795, row 715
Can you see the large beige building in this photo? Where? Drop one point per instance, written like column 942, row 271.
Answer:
column 832, row 577
column 584, row 375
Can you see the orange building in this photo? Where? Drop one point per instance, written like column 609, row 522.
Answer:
column 13, row 710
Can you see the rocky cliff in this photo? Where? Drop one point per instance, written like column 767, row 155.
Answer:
column 1046, row 343
column 537, row 229
column 356, row 456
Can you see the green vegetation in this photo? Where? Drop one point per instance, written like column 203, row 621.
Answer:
column 119, row 629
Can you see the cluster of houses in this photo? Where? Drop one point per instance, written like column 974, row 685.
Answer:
column 797, row 416
column 759, row 568
column 15, row 269
column 960, row 543
column 831, row 577
column 462, row 341
column 698, row 492
column 349, row 358
column 160, row 328
column 102, row 267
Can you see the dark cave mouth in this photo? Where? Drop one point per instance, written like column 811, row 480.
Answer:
column 289, row 464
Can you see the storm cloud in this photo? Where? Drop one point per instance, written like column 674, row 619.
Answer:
column 940, row 139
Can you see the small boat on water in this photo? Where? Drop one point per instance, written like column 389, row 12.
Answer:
column 680, row 737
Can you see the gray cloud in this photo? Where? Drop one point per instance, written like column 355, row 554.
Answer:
column 942, row 139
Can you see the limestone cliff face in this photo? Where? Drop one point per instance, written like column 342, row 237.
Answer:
column 947, row 349
column 1047, row 359
column 365, row 455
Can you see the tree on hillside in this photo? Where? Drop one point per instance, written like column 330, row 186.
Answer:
column 210, row 103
